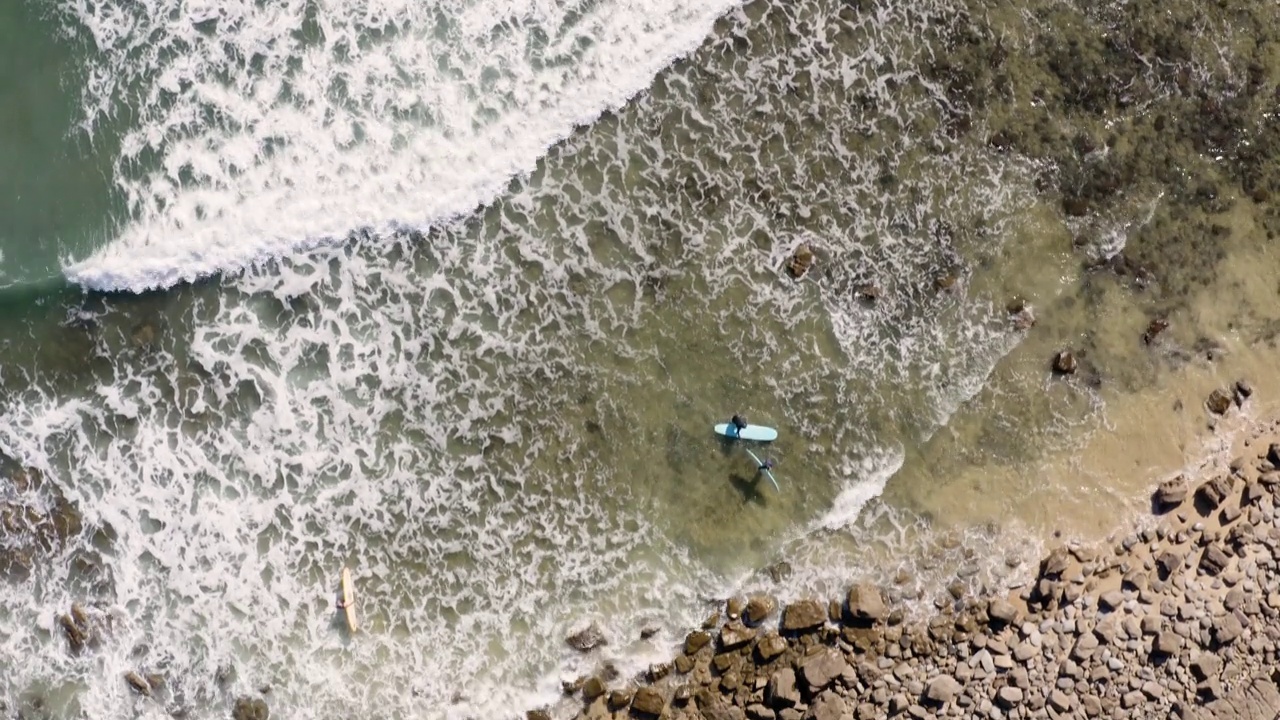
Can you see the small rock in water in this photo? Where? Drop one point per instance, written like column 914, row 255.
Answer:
column 1219, row 401
column 1065, row 363
column 800, row 261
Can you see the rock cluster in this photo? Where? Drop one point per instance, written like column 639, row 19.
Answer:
column 1179, row 619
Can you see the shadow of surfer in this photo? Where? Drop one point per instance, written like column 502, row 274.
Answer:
column 748, row 488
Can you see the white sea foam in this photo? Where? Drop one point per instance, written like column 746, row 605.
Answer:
column 267, row 128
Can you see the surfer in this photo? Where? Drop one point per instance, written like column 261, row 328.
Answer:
column 765, row 466
column 739, row 422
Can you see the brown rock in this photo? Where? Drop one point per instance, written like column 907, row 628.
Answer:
column 1244, row 390
column 1219, row 401
column 1169, row 562
column 800, row 261
column 758, row 609
column 1002, row 611
column 137, row 683
column 593, row 688
column 733, row 608
column 619, row 699
column 657, row 671
column 734, row 635
column 539, row 714
column 1055, row 564
column 821, row 668
column 770, row 646
column 1214, row 560
column 1171, row 492
column 1065, row 363
column 1213, row 492
column 865, row 603
column 1154, row 328
column 803, row 615
column 695, row 641
column 247, row 708
column 781, row 691
column 648, row 701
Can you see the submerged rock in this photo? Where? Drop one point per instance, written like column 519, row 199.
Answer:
column 247, row 708
column 800, row 261
column 1065, row 363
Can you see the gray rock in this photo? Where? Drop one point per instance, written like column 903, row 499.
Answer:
column 1169, row 562
column 587, row 638
column 1091, row 705
column 1025, row 651
column 865, row 603
column 1206, row 665
column 1152, row 690
column 1171, row 492
column 1213, row 492
column 821, row 668
column 781, row 691
column 758, row 712
column 1060, row 701
column 1131, row 699
column 898, row 703
column 1167, row 643
column 1234, row 599
column 1055, row 564
column 943, row 689
column 734, row 635
column 830, row 705
column 1084, row 647
column 1003, row 611
column 1214, row 560
column 1226, row 629
column 1112, row 600
column 1009, row 697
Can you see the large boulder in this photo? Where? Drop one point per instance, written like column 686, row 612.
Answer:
column 781, row 691
column 821, row 668
column 803, row 615
column 734, row 635
column 758, row 609
column 1171, row 492
column 1002, row 611
column 865, row 604
column 1213, row 492
column 648, row 701
column 943, row 689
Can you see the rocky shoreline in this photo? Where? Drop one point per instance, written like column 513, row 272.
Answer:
column 1180, row 618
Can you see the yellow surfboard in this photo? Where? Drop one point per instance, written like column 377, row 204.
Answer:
column 349, row 599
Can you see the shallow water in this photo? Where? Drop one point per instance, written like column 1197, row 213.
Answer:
column 499, row 416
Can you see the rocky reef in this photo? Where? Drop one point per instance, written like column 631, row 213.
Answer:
column 1180, row 618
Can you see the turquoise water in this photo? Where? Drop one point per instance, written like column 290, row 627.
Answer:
column 453, row 292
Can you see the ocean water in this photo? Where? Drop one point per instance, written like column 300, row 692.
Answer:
column 451, row 293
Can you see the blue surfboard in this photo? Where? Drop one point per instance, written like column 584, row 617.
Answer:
column 759, row 433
